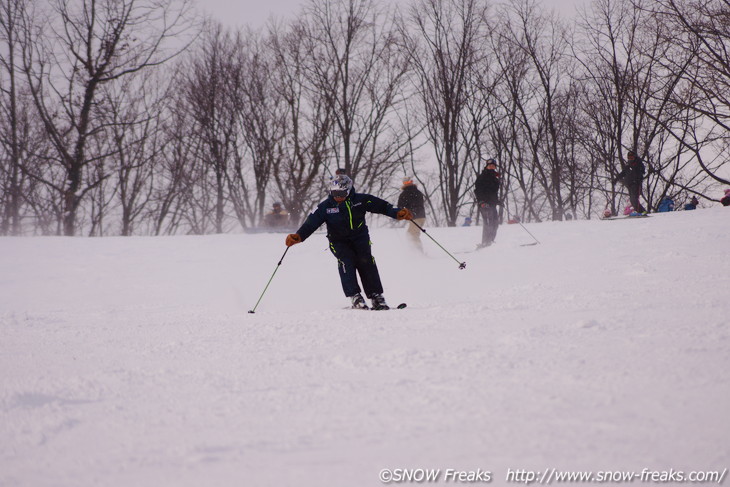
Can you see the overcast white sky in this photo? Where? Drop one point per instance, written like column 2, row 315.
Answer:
column 255, row 13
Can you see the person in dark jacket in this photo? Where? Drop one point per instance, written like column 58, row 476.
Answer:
column 632, row 176
column 277, row 217
column 344, row 213
column 412, row 198
column 486, row 190
column 692, row 205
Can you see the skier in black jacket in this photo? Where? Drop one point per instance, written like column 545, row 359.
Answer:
column 632, row 176
column 486, row 190
column 412, row 198
column 344, row 212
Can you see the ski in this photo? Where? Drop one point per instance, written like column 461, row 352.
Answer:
column 476, row 249
column 479, row 247
column 400, row 306
column 626, row 217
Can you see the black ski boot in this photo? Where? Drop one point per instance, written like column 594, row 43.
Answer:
column 379, row 302
column 358, row 302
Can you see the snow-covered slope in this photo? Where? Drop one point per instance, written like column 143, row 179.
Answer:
column 134, row 362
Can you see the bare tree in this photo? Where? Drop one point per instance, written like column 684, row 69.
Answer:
column 625, row 54
column 173, row 168
column 449, row 58
column 535, row 58
column 13, row 120
column 79, row 48
column 260, row 110
column 700, row 31
column 135, row 117
column 210, row 94
column 358, row 63
column 298, row 173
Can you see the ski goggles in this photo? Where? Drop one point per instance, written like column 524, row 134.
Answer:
column 339, row 193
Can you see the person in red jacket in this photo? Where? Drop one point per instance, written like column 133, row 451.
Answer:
column 726, row 200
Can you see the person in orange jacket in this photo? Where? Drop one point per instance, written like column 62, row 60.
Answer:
column 412, row 198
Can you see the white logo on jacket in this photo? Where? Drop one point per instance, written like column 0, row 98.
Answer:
column 333, row 210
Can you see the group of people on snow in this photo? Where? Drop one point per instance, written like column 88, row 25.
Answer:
column 632, row 177
column 343, row 212
column 667, row 204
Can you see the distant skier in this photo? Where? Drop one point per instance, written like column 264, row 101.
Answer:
column 277, row 217
column 632, row 176
column 692, row 205
column 412, row 198
column 726, row 199
column 486, row 190
column 344, row 212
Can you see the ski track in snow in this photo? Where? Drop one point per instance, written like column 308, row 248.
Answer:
column 133, row 361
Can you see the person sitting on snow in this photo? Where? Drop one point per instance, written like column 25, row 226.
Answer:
column 666, row 204
column 692, row 205
column 344, row 213
column 726, row 200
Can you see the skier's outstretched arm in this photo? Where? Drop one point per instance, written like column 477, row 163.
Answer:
column 373, row 204
column 310, row 225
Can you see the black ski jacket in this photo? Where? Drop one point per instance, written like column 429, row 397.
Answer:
column 486, row 187
column 345, row 220
column 633, row 173
column 412, row 198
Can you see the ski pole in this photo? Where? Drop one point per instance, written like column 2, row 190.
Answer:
column 523, row 227
column 270, row 279
column 462, row 265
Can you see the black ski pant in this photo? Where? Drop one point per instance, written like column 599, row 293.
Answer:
column 354, row 257
column 490, row 222
column 634, row 197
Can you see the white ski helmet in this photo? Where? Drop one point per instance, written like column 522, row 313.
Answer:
column 340, row 185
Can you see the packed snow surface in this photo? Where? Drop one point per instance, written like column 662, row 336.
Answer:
column 134, row 361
